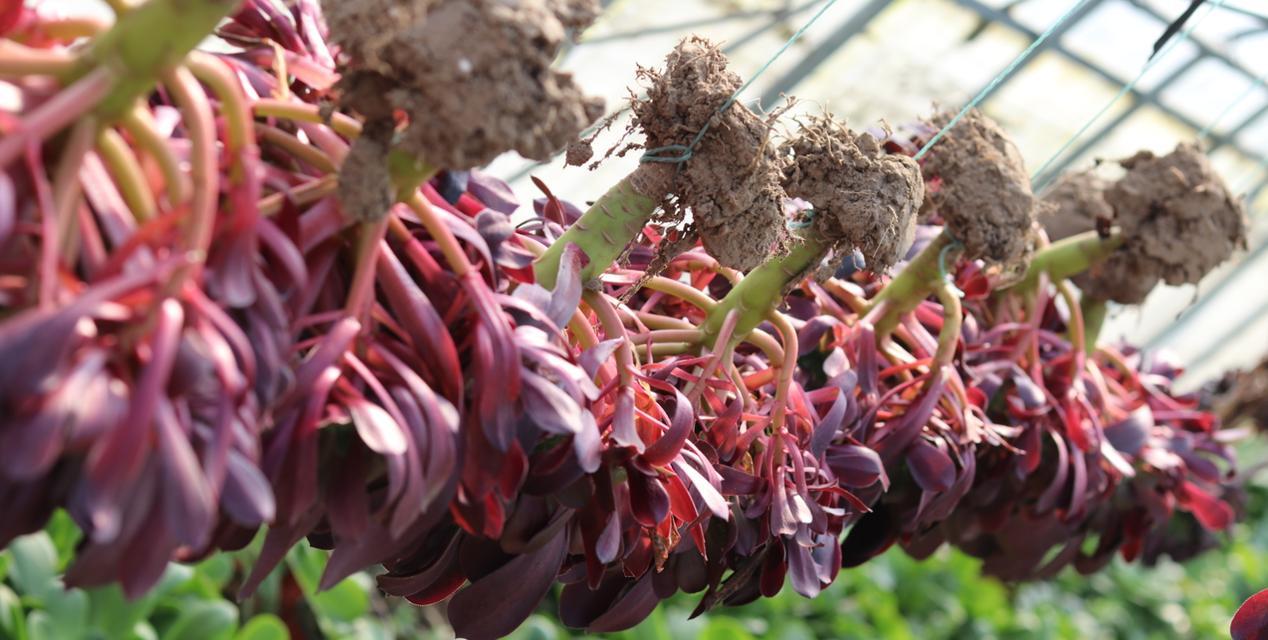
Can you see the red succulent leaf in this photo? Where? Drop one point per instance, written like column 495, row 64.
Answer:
column 666, row 448
column 1251, row 620
column 1213, row 513
column 649, row 501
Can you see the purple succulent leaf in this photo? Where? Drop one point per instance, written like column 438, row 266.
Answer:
column 623, row 430
column 708, row 493
column 738, row 483
column 8, row 207
column 567, row 294
column 188, row 501
column 608, row 543
column 519, row 586
column 495, row 228
column 570, row 211
column 666, row 448
column 421, row 320
column 828, row 427
column 398, row 584
column 630, row 609
column 836, row 365
column 593, row 358
column 931, row 468
column 900, row 432
column 856, row 466
column 1130, row 434
column 812, row 331
column 552, row 409
column 376, row 427
column 802, row 570
column 492, row 191
column 649, row 501
column 247, row 497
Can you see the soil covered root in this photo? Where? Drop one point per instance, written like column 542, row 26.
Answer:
column 985, row 197
column 474, row 77
column 863, row 197
column 1176, row 217
column 731, row 182
column 1076, row 204
column 1244, row 396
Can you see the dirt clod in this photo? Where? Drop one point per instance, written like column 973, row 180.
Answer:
column 1175, row 215
column 579, row 152
column 473, row 76
column 862, row 196
column 731, row 182
column 1077, row 204
column 985, row 197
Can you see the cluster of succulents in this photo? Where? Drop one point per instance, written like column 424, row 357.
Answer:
column 269, row 289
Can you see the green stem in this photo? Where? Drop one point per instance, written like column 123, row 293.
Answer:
column 914, row 283
column 762, row 289
column 952, row 319
column 1068, row 257
column 1094, row 313
column 148, row 40
column 602, row 232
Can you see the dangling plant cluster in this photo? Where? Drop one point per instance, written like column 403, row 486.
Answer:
column 270, row 289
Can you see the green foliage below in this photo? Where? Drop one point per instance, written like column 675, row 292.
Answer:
column 891, row 598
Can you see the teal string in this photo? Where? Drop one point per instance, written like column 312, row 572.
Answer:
column 809, row 218
column 1131, row 84
column 685, row 151
column 981, row 95
column 1259, row 82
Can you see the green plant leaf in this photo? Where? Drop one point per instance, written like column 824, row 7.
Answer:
column 39, row 626
column 64, row 534
column 142, row 631
column 344, row 602
column 34, row 565
column 67, row 610
column 265, row 626
column 725, row 629
column 12, row 620
column 204, row 620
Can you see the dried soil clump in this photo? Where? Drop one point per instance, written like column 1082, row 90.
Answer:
column 1176, row 215
column 985, row 197
column 474, row 76
column 731, row 182
column 1076, row 203
column 862, row 196
column 1246, row 397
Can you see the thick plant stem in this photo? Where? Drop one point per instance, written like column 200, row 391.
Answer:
column 761, row 290
column 602, row 232
column 916, row 281
column 1094, row 312
column 952, row 319
column 149, row 40
column 1068, row 257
